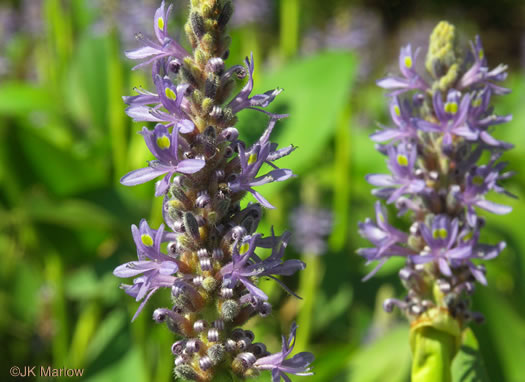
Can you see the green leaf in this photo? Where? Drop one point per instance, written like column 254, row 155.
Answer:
column 70, row 213
column 387, row 359
column 507, row 331
column 18, row 98
column 59, row 169
column 468, row 364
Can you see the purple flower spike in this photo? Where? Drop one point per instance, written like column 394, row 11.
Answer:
column 411, row 80
column 442, row 131
column 164, row 147
column 207, row 259
column 299, row 364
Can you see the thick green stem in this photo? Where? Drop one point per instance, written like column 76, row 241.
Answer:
column 435, row 339
column 433, row 351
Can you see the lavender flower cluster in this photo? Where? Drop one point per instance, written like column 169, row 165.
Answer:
column 206, row 251
column 443, row 162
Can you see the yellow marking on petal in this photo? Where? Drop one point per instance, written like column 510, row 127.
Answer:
column 408, row 62
column 443, row 233
column 170, row 94
column 402, row 160
column 244, row 248
column 435, row 234
column 164, row 142
column 147, row 240
column 160, row 23
column 397, row 110
column 478, row 180
column 468, row 236
column 252, row 158
column 476, row 102
column 451, row 107
column 481, row 54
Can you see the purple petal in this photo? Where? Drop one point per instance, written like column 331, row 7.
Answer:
column 142, row 175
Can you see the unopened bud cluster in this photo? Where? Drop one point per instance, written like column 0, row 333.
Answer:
column 443, row 161
column 206, row 255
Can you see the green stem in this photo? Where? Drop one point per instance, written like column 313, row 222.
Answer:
column 433, row 351
column 308, row 287
column 289, row 27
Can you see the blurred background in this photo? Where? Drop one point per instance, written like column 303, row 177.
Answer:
column 65, row 219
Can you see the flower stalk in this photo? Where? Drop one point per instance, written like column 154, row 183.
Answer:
column 205, row 253
column 443, row 161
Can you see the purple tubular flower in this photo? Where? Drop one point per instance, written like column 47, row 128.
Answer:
column 411, row 80
column 480, row 118
column 452, row 117
column 156, row 269
column 245, row 264
column 164, row 48
column 440, row 239
column 405, row 129
column 388, row 240
column 164, row 147
column 252, row 160
column 401, row 160
column 478, row 183
column 479, row 74
column 280, row 366
column 243, row 101
column 169, row 97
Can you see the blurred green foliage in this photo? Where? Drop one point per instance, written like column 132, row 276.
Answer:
column 64, row 218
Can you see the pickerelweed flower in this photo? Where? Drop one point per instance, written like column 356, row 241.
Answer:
column 442, row 126
column 208, row 252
